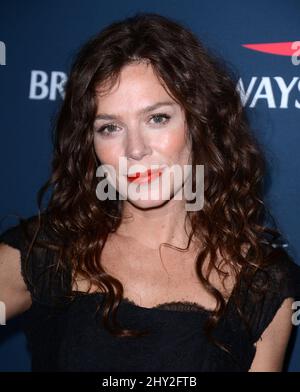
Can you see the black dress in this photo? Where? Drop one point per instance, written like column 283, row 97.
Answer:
column 70, row 337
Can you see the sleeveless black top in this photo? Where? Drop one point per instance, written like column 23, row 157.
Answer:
column 70, row 336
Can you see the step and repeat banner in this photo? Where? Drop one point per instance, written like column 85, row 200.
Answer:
column 259, row 40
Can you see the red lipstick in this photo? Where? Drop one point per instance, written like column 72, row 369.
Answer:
column 147, row 176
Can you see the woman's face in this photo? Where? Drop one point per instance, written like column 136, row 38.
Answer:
column 139, row 122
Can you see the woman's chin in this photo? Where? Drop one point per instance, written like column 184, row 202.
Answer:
column 147, row 204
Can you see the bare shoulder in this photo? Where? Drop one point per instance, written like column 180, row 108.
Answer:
column 13, row 290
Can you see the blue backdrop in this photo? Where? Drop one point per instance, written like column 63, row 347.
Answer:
column 38, row 41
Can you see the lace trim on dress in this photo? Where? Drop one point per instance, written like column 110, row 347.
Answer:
column 182, row 306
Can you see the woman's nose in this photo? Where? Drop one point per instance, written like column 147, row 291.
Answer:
column 137, row 146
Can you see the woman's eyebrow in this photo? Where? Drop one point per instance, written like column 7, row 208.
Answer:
column 104, row 116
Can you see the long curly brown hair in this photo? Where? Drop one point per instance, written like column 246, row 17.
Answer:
column 233, row 214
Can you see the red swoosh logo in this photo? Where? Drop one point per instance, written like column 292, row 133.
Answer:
column 279, row 48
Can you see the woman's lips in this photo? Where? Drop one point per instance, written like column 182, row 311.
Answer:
column 148, row 176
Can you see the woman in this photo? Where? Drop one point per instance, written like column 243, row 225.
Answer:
column 98, row 290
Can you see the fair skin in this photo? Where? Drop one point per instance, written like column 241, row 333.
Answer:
column 145, row 139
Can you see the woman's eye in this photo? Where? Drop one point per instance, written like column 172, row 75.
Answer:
column 107, row 129
column 160, row 116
